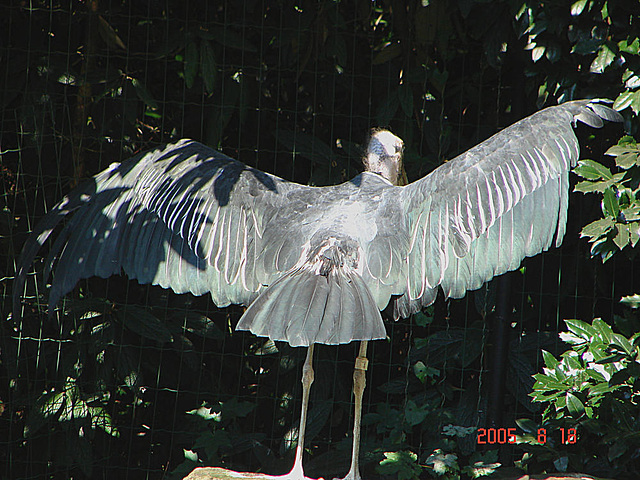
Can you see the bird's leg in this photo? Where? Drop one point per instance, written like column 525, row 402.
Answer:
column 307, row 379
column 359, row 382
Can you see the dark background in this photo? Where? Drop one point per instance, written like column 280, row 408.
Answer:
column 292, row 88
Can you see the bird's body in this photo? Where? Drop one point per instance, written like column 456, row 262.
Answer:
column 316, row 265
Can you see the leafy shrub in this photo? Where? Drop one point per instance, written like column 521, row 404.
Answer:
column 591, row 390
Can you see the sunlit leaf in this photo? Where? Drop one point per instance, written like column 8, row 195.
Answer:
column 549, row 360
column 632, row 301
column 578, row 7
column 598, row 227
column 603, row 59
column 102, row 420
column 580, row 328
column 537, row 52
column 632, row 48
column 401, row 465
column 610, row 203
column 621, row 239
column 623, row 100
column 592, row 170
column 589, row 186
column 603, row 329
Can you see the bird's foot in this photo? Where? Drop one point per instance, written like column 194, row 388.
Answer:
column 354, row 474
column 296, row 473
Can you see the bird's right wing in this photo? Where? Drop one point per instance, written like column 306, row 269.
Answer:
column 185, row 217
column 480, row 214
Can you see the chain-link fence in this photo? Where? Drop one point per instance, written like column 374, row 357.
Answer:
column 132, row 381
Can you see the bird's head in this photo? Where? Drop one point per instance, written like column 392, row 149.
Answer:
column 384, row 156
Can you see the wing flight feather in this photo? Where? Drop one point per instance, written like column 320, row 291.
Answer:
column 480, row 214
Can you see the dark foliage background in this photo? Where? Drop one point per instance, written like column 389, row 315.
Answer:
column 102, row 390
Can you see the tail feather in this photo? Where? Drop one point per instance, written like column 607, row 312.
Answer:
column 310, row 297
column 303, row 308
column 334, row 309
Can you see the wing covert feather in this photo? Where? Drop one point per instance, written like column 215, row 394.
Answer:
column 480, row 214
column 183, row 217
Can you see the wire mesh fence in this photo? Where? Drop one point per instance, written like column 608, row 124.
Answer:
column 132, row 381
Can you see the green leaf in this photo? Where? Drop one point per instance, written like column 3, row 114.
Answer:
column 580, row 328
column 590, row 186
column 337, row 48
column 422, row 320
column 586, row 46
column 537, row 52
column 190, row 64
column 603, row 329
column 202, row 325
column 144, row 323
column 387, row 53
column 610, row 203
column 415, row 415
column 228, row 38
column 623, row 101
column 481, row 469
column 635, row 102
column 208, row 65
column 546, row 382
column 627, row 154
column 212, row 442
column 402, row 465
column 306, row 145
column 578, row 7
column 561, row 463
column 622, row 342
column 598, row 228
column 422, row 372
column 234, row 408
column 442, row 463
column 621, row 239
column 592, row 170
column 152, row 114
column 100, row 419
column 549, row 360
column 387, row 109
column 143, row 93
column 603, row 59
column 632, row 82
column 405, row 96
column 601, row 388
column 527, row 425
column 604, row 248
column 439, row 79
column 616, row 357
column 632, row 301
column 190, row 455
column 617, row 450
column 633, row 48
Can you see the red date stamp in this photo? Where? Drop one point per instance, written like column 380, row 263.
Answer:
column 501, row 436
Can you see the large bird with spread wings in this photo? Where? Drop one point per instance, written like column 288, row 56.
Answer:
column 318, row 264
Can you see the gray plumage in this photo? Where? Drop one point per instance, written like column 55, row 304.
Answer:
column 316, row 265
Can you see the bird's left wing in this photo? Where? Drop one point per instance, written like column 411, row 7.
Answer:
column 183, row 217
column 480, row 214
